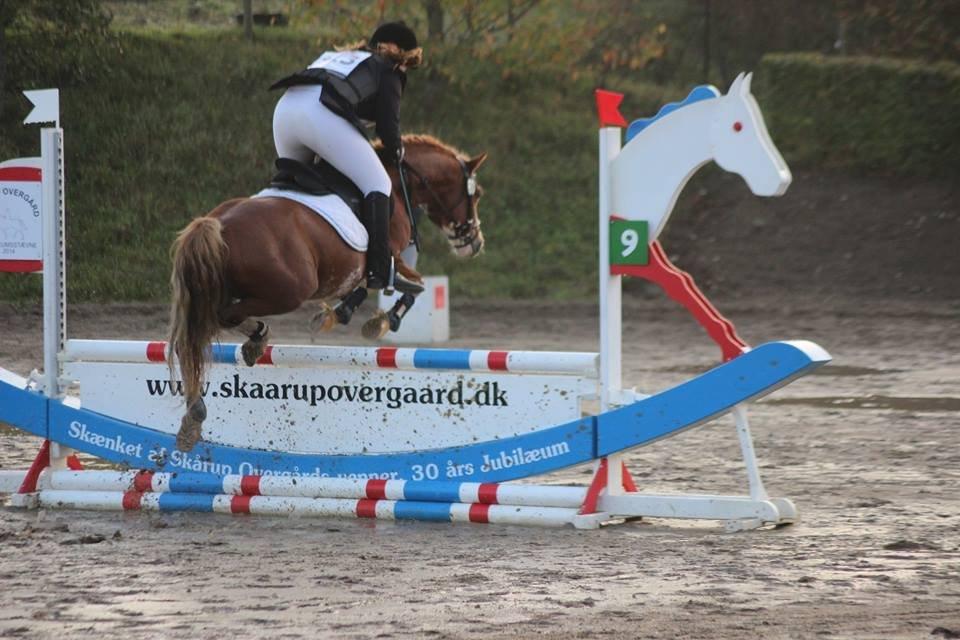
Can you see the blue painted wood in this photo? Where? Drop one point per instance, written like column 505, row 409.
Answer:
column 223, row 352
column 441, row 359
column 189, row 482
column 23, row 409
column 423, row 511
column 707, row 396
column 702, row 92
column 752, row 375
column 193, row 502
column 498, row 460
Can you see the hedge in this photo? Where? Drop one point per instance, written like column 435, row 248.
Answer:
column 866, row 114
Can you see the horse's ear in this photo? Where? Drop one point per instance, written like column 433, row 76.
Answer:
column 474, row 163
column 745, row 87
column 737, row 83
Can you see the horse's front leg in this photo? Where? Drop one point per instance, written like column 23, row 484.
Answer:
column 383, row 321
column 328, row 317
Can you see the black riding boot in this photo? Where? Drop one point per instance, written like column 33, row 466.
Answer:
column 380, row 267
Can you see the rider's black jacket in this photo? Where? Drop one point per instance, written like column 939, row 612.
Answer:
column 369, row 95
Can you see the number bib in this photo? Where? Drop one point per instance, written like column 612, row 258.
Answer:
column 340, row 63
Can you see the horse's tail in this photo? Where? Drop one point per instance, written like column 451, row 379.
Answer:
column 199, row 290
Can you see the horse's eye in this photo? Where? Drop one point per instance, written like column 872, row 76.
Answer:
column 737, row 126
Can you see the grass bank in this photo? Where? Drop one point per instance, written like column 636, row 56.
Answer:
column 180, row 122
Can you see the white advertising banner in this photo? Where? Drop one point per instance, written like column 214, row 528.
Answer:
column 21, row 222
column 337, row 411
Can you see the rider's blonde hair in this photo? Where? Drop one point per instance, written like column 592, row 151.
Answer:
column 410, row 59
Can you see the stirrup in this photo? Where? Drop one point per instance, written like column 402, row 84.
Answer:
column 391, row 277
column 400, row 283
column 403, row 285
column 395, row 281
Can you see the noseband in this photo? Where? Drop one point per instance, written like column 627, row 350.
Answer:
column 466, row 233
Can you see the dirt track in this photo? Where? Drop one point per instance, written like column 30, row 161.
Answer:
column 868, row 448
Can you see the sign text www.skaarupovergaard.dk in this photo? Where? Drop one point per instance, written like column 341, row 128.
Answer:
column 486, row 394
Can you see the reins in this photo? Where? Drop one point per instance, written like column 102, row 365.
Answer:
column 465, row 232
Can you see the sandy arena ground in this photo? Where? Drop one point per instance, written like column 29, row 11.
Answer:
column 868, row 448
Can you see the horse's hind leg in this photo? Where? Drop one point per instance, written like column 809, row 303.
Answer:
column 237, row 317
column 257, row 332
column 191, row 425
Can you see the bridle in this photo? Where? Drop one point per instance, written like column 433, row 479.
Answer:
column 466, row 233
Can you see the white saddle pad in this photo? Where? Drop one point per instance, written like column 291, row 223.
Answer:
column 332, row 208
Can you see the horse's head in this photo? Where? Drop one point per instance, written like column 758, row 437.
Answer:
column 444, row 182
column 742, row 145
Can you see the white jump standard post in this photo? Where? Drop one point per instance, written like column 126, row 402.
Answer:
column 621, row 178
column 52, row 255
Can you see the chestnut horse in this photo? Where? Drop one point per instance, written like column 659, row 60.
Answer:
column 254, row 257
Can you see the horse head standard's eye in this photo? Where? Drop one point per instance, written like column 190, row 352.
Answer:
column 738, row 126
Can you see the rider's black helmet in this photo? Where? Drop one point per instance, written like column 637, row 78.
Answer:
column 396, row 32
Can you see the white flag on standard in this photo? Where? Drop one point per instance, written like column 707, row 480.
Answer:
column 46, row 106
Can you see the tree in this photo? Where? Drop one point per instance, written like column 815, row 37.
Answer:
column 434, row 10
column 51, row 41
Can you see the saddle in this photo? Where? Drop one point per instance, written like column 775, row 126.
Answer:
column 319, row 179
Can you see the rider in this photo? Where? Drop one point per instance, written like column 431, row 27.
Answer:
column 325, row 111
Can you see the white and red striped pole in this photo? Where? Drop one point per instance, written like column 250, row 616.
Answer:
column 407, row 359
column 316, row 487
column 308, row 507
column 493, row 503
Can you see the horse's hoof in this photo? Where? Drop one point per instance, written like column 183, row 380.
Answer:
column 324, row 320
column 376, row 327
column 252, row 349
column 189, row 434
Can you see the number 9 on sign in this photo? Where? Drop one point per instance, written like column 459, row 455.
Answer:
column 628, row 242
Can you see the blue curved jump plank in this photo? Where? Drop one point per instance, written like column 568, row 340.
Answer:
column 691, row 403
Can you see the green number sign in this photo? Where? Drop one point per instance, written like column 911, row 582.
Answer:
column 628, row 242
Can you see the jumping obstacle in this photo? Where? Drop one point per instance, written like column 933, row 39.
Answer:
column 486, row 503
column 424, row 434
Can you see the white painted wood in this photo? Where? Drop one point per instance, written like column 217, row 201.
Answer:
column 428, row 321
column 338, row 410
column 10, row 481
column 654, row 167
column 611, row 316
column 54, row 285
column 757, row 490
column 690, row 506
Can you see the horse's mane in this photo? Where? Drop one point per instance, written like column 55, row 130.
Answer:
column 424, row 139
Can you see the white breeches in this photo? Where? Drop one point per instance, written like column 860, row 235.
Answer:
column 303, row 126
